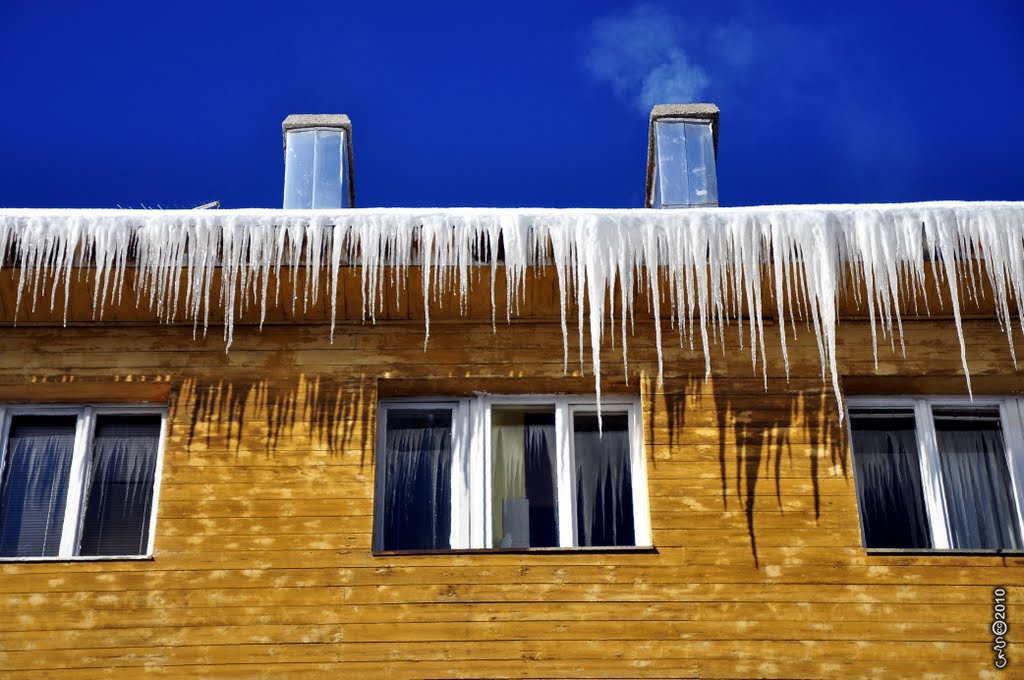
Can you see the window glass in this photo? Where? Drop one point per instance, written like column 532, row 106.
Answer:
column 35, row 485
column 685, row 172
column 119, row 493
column 976, row 481
column 888, row 478
column 604, row 484
column 523, row 479
column 417, row 481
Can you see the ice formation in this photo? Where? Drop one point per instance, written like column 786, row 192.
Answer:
column 707, row 265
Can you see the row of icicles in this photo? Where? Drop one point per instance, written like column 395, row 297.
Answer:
column 709, row 263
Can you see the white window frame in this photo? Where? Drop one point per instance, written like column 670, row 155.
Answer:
column 1011, row 412
column 472, row 472
column 81, row 460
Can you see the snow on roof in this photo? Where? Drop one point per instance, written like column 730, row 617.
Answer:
column 710, row 261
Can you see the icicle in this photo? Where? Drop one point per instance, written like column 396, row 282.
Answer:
column 337, row 250
column 945, row 244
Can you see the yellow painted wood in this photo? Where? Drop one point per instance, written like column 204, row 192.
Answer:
column 263, row 564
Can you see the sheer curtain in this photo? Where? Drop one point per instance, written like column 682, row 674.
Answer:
column 119, row 491
column 888, row 475
column 604, row 484
column 35, row 485
column 417, row 479
column 523, row 479
column 976, row 481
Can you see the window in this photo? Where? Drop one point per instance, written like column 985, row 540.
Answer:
column 78, row 482
column 939, row 473
column 510, row 472
column 681, row 151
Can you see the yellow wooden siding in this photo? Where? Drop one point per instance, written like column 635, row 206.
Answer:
column 263, row 567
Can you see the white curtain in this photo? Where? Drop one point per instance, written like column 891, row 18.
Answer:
column 417, row 479
column 523, row 480
column 888, row 477
column 976, row 483
column 119, row 492
column 35, row 485
column 604, row 487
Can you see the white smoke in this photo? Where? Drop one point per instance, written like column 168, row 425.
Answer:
column 640, row 54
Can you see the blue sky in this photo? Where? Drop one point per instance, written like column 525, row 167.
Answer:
column 509, row 104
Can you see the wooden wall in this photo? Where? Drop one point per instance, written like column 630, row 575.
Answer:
column 263, row 567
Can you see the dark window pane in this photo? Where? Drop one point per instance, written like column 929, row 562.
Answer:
column 604, row 483
column 975, row 479
column 888, row 478
column 34, row 490
column 119, row 492
column 417, row 504
column 523, row 478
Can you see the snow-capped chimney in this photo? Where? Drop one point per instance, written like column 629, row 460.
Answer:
column 681, row 151
column 318, row 161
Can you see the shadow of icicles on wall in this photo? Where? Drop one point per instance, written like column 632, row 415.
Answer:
column 764, row 439
column 258, row 416
column 770, row 450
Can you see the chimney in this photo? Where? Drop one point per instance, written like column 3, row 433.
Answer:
column 318, row 161
column 681, row 151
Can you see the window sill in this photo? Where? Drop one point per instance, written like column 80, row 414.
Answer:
column 933, row 552
column 642, row 549
column 78, row 558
